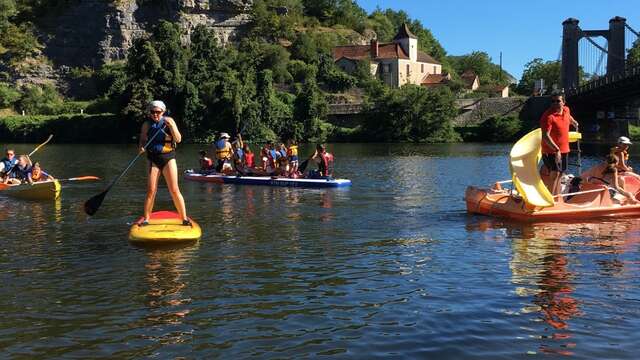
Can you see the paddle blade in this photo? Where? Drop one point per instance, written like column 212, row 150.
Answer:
column 92, row 205
column 303, row 166
column 83, row 178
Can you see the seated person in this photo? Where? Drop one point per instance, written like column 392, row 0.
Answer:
column 324, row 161
column 7, row 163
column 621, row 151
column 37, row 174
column 20, row 172
column 292, row 154
column 206, row 164
column 609, row 175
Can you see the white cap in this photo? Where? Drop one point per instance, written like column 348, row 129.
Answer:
column 157, row 104
column 224, row 135
column 624, row 140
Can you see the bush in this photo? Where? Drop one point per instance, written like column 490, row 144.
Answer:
column 8, row 95
column 98, row 128
column 501, row 129
column 43, row 100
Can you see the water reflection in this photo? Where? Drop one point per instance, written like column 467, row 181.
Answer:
column 166, row 271
column 547, row 267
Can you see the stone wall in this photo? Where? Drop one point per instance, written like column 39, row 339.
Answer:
column 476, row 111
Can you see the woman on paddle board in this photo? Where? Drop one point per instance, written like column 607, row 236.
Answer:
column 163, row 134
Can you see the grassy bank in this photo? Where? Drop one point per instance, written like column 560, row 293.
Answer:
column 67, row 128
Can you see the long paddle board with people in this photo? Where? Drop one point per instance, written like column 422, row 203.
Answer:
column 266, row 180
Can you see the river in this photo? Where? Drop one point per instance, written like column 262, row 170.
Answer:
column 392, row 267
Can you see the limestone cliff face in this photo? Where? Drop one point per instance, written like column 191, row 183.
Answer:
column 92, row 32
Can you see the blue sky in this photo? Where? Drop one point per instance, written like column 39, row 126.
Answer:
column 522, row 30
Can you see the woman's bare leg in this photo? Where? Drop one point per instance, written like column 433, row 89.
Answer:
column 152, row 189
column 170, row 173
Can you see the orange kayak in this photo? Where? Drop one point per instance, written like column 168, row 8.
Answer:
column 591, row 201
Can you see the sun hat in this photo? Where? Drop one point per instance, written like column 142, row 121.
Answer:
column 624, row 140
column 224, row 135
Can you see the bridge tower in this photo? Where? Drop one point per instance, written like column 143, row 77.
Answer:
column 571, row 35
column 616, row 54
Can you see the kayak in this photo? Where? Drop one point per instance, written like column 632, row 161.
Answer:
column 266, row 180
column 42, row 190
column 164, row 227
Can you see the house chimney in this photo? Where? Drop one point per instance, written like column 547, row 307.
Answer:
column 374, row 48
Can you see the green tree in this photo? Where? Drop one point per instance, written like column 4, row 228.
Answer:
column 633, row 57
column 310, row 109
column 40, row 100
column 8, row 95
column 536, row 69
column 305, row 49
column 501, row 129
column 413, row 113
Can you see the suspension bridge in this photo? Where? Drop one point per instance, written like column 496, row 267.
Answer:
column 600, row 80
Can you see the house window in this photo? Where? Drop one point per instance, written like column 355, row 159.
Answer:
column 408, row 67
column 422, row 68
column 435, row 69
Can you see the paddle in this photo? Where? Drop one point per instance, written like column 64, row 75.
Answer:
column 91, row 206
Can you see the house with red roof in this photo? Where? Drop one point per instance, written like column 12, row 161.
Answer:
column 396, row 63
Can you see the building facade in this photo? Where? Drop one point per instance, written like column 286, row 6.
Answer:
column 396, row 63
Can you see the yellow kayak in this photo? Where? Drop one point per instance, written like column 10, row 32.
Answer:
column 164, row 227
column 42, row 190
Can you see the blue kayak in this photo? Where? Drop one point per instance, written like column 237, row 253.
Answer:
column 266, row 180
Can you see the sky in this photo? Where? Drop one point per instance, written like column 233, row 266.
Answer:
column 522, row 30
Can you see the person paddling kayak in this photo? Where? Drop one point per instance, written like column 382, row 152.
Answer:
column 162, row 158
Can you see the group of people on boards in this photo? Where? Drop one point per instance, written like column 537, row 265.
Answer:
column 555, row 124
column 236, row 158
column 16, row 170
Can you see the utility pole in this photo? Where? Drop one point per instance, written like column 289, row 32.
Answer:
column 500, row 76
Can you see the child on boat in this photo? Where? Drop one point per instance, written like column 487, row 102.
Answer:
column 621, row 151
column 20, row 172
column 610, row 176
column 206, row 164
column 37, row 174
column 292, row 155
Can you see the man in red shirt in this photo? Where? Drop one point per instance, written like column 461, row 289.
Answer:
column 554, row 124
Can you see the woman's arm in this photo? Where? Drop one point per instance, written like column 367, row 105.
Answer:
column 143, row 136
column 173, row 129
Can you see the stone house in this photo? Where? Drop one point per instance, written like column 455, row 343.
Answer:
column 471, row 80
column 396, row 63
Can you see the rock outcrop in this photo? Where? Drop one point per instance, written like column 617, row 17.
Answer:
column 92, row 32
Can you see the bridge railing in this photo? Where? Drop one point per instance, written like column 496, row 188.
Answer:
column 606, row 80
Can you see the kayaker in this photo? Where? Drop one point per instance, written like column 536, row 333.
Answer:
column 162, row 158
column 554, row 124
column 37, row 174
column 206, row 164
column 20, row 172
column 224, row 154
column 324, row 161
column 292, row 154
column 7, row 163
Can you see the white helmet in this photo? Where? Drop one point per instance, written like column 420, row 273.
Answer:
column 624, row 140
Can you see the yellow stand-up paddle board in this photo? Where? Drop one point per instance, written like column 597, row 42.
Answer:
column 164, row 227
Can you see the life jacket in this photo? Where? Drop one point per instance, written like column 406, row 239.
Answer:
column 160, row 144
column 248, row 159
column 273, row 157
column 19, row 173
column 9, row 164
column 206, row 163
column 36, row 174
column 325, row 167
column 292, row 150
column 224, row 151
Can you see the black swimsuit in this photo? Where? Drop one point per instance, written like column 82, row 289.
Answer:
column 161, row 159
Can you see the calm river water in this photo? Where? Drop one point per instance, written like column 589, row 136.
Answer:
column 390, row 268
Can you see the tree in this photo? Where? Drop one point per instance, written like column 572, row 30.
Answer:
column 310, row 109
column 536, row 69
column 413, row 113
column 633, row 57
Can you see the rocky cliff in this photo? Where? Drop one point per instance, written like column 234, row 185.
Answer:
column 92, row 32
